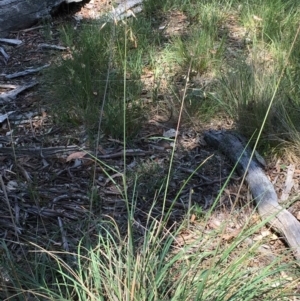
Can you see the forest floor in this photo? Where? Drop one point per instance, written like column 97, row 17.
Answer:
column 46, row 185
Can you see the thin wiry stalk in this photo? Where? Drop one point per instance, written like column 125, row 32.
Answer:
column 176, row 136
column 112, row 39
column 270, row 105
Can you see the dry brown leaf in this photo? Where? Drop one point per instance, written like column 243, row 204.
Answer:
column 231, row 235
column 76, row 155
column 193, row 217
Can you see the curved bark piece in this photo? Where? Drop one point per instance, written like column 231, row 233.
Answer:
column 261, row 188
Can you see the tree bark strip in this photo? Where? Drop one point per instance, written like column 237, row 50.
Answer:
column 261, row 188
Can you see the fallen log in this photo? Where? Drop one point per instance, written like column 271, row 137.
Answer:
column 261, row 188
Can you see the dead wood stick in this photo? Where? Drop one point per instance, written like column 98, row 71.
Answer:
column 123, row 9
column 7, row 86
column 261, row 188
column 65, row 243
column 5, row 55
column 128, row 152
column 46, row 152
column 14, row 42
column 51, row 46
column 26, row 72
column 11, row 95
column 29, row 29
column 129, row 13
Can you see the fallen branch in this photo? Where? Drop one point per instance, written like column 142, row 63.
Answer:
column 14, row 42
column 261, row 188
column 126, row 9
column 50, row 152
column 51, row 47
column 128, row 153
column 5, row 116
column 5, row 55
column 25, row 72
column 43, row 152
column 11, row 95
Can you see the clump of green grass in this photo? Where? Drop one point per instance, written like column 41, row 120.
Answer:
column 92, row 76
column 90, row 83
column 247, row 93
column 156, row 267
column 248, row 85
column 268, row 20
column 202, row 44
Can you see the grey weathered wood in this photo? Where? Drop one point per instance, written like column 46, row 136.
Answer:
column 51, row 47
column 43, row 152
column 19, row 14
column 5, row 55
column 14, row 42
column 261, row 188
column 11, row 95
column 25, row 72
column 126, row 9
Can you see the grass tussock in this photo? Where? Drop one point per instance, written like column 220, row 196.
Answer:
column 88, row 75
column 157, row 266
